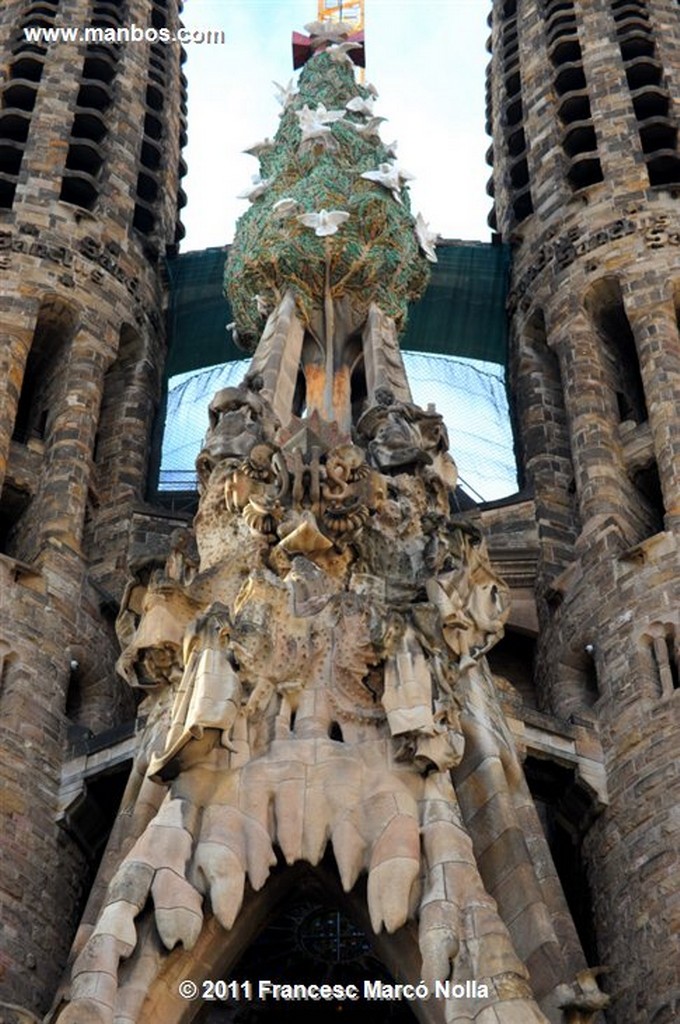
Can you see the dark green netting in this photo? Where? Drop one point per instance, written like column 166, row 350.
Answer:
column 462, row 312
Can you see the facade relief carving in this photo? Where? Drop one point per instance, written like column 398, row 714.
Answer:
column 656, row 232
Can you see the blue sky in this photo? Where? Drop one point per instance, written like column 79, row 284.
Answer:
column 427, row 60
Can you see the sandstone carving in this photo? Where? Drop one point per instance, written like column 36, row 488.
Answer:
column 323, row 666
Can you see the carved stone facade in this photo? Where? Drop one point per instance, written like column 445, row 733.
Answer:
column 442, row 728
column 593, row 91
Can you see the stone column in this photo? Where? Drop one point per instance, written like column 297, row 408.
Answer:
column 610, row 102
column 130, row 396
column 658, row 342
column 592, row 426
column 68, row 457
column 16, row 334
column 545, row 449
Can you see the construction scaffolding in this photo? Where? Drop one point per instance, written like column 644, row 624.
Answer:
column 351, row 12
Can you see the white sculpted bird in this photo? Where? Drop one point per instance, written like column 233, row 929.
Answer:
column 285, row 207
column 259, row 147
column 426, row 238
column 325, row 222
column 359, row 105
column 314, row 124
column 259, row 187
column 285, row 93
column 331, row 31
column 390, row 177
column 370, row 128
column 340, row 53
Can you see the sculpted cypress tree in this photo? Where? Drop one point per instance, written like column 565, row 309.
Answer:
column 326, row 158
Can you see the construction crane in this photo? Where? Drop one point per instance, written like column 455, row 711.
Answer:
column 351, row 11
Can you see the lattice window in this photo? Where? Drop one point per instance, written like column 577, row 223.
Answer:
column 578, row 139
column 85, row 157
column 657, row 127
column 18, row 96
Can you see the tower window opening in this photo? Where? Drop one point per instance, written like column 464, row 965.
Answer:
column 300, row 396
column 648, row 487
column 7, row 193
column 605, row 305
column 579, row 141
column 513, row 115
column 563, row 808
column 14, row 502
column 19, row 94
column 513, row 660
column 649, row 91
column 42, row 378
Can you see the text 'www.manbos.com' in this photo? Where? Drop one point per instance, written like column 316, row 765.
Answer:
column 124, row 34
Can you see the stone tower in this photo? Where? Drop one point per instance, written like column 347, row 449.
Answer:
column 584, row 107
column 90, row 168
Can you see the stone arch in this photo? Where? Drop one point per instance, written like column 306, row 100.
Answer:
column 217, row 951
column 628, row 401
column 55, row 328
column 604, row 305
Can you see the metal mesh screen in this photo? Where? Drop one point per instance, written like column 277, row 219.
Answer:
column 468, row 393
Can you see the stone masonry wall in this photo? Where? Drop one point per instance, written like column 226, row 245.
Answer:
column 595, row 283
column 82, row 349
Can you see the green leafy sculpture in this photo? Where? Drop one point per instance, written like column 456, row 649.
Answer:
column 330, row 219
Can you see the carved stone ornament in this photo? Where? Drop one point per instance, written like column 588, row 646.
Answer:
column 317, row 682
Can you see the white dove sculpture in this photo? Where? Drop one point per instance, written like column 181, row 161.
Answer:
column 340, row 53
column 285, row 207
column 426, row 238
column 259, row 147
column 285, row 93
column 359, row 105
column 315, row 124
column 325, row 222
column 390, row 177
column 370, row 128
column 329, row 31
column 259, row 187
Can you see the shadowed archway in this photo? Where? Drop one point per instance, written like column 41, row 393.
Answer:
column 281, row 935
